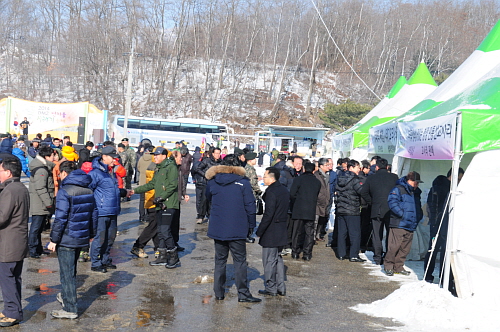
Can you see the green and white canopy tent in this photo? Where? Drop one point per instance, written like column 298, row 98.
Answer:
column 461, row 130
column 402, row 97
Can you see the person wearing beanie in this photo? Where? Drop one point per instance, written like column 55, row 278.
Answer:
column 69, row 153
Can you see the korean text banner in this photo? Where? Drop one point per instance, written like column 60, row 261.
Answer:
column 383, row 139
column 343, row 143
column 432, row 139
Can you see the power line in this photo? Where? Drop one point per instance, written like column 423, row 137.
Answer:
column 340, row 51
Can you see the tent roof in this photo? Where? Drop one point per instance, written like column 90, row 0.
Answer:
column 421, row 75
column 398, row 86
column 492, row 40
column 480, row 108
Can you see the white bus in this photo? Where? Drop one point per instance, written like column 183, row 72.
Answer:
column 165, row 132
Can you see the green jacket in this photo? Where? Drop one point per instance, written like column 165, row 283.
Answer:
column 165, row 183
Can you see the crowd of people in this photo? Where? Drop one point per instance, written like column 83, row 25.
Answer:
column 83, row 191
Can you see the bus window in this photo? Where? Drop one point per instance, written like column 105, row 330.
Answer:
column 206, row 129
column 170, row 126
column 132, row 123
column 150, row 125
column 190, row 128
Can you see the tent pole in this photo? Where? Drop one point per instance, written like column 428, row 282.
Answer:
column 450, row 245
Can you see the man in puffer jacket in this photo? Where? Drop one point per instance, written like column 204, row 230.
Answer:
column 74, row 225
column 107, row 199
column 348, row 210
column 406, row 212
column 232, row 215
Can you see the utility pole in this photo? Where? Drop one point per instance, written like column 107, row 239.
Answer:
column 128, row 97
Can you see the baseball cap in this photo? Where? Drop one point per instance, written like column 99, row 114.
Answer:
column 110, row 151
column 159, row 150
column 250, row 155
column 125, row 139
column 414, row 176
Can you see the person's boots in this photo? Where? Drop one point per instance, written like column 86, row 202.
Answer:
column 162, row 258
column 172, row 259
column 250, row 239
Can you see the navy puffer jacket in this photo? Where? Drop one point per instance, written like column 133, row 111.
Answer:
column 233, row 204
column 75, row 217
column 404, row 202
column 105, row 187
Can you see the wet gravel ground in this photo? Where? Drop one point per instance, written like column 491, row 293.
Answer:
column 137, row 296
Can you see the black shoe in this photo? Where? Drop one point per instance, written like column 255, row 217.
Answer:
column 265, row 292
column 220, row 298
column 110, row 266
column 35, row 256
column 172, row 259
column 356, row 259
column 250, row 240
column 295, row 256
column 162, row 258
column 180, row 248
column 101, row 269
column 306, row 258
column 389, row 273
column 281, row 293
column 250, row 299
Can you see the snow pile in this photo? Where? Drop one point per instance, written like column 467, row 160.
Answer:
column 426, row 307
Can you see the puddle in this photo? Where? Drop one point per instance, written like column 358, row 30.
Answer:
column 158, row 307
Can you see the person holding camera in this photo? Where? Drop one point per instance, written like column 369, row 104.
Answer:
column 165, row 184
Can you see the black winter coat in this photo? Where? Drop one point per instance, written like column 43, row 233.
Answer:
column 202, row 168
column 287, row 175
column 304, row 196
column 273, row 226
column 375, row 191
column 348, row 194
column 84, row 156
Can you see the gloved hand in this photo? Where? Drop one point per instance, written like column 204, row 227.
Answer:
column 159, row 202
column 250, row 239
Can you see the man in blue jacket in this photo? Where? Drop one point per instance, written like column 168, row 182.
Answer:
column 406, row 212
column 232, row 214
column 73, row 227
column 107, row 199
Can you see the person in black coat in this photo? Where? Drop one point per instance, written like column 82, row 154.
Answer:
column 202, row 207
column 348, row 211
column 84, row 153
column 273, row 233
column 375, row 191
column 304, row 198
